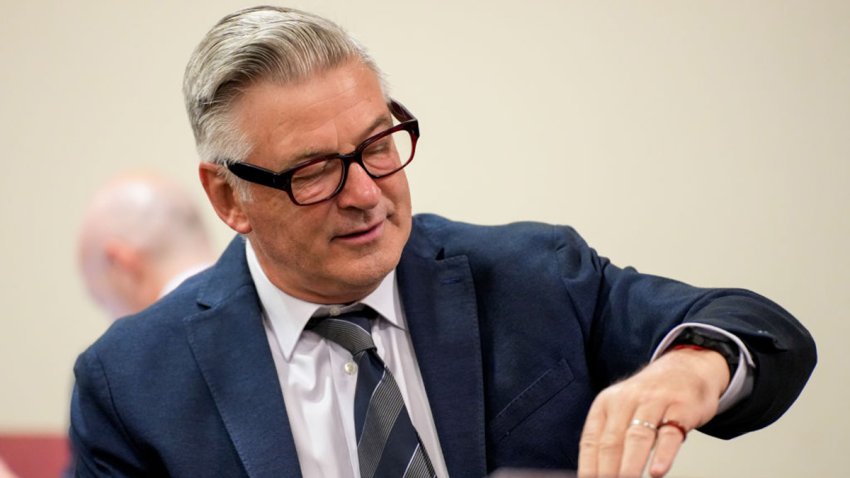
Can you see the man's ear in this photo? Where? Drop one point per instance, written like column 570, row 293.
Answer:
column 128, row 272
column 223, row 198
column 124, row 259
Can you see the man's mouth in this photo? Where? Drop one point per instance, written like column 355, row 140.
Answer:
column 364, row 234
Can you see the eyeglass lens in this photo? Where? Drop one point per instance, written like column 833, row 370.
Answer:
column 320, row 180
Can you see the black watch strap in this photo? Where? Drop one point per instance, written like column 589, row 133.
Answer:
column 712, row 341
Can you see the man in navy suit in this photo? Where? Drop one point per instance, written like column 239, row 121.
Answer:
column 514, row 346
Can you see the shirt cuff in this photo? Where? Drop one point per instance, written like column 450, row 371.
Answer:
column 741, row 383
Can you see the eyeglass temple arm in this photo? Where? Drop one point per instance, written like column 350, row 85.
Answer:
column 259, row 175
column 400, row 112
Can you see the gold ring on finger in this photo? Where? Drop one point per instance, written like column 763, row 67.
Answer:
column 644, row 423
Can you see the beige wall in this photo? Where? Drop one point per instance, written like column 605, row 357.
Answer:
column 708, row 141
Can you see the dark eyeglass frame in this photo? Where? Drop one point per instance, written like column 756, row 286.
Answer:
column 283, row 180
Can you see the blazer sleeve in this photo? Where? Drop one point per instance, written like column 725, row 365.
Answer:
column 627, row 314
column 100, row 444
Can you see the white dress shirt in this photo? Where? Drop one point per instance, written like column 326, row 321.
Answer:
column 319, row 393
column 317, row 390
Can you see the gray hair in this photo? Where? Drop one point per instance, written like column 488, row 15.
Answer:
column 264, row 43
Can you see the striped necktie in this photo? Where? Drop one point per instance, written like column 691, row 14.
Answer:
column 387, row 443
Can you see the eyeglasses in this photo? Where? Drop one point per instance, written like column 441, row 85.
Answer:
column 320, row 179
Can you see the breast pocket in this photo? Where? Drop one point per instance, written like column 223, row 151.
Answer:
column 530, row 400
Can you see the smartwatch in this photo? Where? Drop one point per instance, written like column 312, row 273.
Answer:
column 712, row 341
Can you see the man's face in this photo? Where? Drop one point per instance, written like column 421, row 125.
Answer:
column 337, row 251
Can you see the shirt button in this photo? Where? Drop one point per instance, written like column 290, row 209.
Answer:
column 335, row 311
column 350, row 368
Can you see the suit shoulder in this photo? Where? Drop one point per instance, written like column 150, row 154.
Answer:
column 457, row 237
column 158, row 326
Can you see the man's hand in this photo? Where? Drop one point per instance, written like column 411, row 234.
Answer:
column 624, row 422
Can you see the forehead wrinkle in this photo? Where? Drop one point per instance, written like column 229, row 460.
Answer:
column 309, row 152
column 335, row 116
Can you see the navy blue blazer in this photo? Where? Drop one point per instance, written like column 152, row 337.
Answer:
column 515, row 328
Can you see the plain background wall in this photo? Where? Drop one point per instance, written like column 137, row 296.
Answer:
column 707, row 141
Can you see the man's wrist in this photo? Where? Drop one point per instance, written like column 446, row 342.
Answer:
column 694, row 338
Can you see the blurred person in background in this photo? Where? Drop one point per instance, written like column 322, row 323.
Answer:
column 142, row 235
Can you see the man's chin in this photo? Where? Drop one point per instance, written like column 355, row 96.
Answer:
column 362, row 279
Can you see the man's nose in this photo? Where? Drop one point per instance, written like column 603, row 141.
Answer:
column 360, row 190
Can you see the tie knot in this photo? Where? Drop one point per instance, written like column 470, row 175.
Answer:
column 351, row 330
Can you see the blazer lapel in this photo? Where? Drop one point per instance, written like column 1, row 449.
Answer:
column 231, row 349
column 439, row 303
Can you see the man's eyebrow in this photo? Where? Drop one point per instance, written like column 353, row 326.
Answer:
column 382, row 122
column 307, row 155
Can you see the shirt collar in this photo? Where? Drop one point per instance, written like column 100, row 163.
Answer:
column 288, row 315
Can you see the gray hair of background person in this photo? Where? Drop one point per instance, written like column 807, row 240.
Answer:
column 276, row 44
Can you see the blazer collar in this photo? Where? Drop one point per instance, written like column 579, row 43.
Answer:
column 229, row 343
column 230, row 346
column 439, row 301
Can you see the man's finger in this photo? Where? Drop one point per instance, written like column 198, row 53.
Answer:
column 670, row 439
column 589, row 445
column 639, row 438
column 612, row 439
